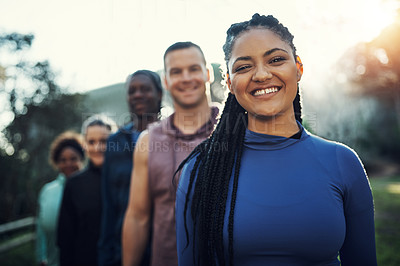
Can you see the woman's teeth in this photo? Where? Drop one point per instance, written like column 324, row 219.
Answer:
column 265, row 91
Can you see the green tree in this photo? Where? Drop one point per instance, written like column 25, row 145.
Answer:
column 376, row 66
column 39, row 110
column 372, row 73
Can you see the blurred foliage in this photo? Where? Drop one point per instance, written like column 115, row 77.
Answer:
column 376, row 66
column 377, row 75
column 16, row 41
column 39, row 110
column 218, row 88
column 363, row 107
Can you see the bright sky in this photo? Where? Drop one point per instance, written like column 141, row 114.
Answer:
column 95, row 43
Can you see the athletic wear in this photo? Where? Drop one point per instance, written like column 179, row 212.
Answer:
column 299, row 202
column 168, row 147
column 79, row 222
column 46, row 226
column 115, row 184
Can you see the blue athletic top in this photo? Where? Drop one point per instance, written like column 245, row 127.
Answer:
column 299, row 202
column 115, row 183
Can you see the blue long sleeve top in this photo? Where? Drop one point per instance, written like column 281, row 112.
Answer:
column 299, row 202
column 115, row 183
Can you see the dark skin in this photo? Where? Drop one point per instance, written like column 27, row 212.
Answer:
column 143, row 100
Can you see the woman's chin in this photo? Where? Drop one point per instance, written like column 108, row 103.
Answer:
column 98, row 162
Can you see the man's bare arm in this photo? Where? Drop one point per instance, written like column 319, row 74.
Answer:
column 136, row 227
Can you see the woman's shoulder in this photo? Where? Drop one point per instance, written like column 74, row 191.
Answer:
column 344, row 156
column 52, row 184
column 122, row 132
column 324, row 144
column 77, row 178
column 186, row 173
column 52, row 188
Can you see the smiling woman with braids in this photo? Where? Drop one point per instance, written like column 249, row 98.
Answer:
column 262, row 190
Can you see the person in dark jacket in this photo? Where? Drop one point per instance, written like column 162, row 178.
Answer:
column 79, row 221
column 144, row 94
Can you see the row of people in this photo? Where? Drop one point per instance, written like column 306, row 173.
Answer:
column 70, row 206
column 69, row 225
column 250, row 188
column 164, row 145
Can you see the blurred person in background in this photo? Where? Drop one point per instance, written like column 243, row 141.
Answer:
column 79, row 220
column 144, row 95
column 67, row 157
column 150, row 214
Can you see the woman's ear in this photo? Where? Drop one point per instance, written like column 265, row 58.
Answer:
column 228, row 82
column 299, row 66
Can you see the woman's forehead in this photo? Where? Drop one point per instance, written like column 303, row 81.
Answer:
column 257, row 39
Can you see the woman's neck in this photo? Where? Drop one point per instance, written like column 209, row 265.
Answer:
column 142, row 123
column 275, row 126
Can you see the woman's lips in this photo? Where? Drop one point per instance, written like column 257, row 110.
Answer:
column 265, row 91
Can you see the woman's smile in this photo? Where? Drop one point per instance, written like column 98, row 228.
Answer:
column 263, row 76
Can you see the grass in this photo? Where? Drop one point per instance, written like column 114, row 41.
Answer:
column 386, row 191
column 20, row 256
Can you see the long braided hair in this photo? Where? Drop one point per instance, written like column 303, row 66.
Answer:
column 218, row 161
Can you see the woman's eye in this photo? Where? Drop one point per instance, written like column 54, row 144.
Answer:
column 277, row 59
column 242, row 68
column 145, row 89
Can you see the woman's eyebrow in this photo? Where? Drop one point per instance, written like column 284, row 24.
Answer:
column 274, row 50
column 242, row 58
column 246, row 58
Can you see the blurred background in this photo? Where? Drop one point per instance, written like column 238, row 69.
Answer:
column 61, row 61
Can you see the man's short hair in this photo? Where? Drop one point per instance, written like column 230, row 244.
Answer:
column 182, row 45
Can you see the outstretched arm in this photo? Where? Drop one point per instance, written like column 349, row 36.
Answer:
column 136, row 227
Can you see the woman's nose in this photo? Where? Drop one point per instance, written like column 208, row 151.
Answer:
column 138, row 93
column 261, row 74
